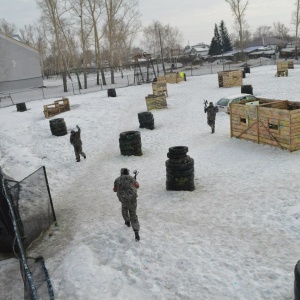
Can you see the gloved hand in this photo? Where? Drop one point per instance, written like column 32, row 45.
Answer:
column 77, row 127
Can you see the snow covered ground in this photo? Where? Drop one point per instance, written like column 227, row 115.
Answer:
column 235, row 237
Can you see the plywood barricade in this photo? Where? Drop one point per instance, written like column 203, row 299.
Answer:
column 267, row 121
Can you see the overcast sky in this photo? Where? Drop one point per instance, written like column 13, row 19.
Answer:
column 194, row 18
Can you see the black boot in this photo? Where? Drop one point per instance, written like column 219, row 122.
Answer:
column 137, row 237
column 127, row 223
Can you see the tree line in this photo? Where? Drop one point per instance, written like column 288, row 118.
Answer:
column 78, row 34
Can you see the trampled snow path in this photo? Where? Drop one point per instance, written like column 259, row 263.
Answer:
column 235, row 237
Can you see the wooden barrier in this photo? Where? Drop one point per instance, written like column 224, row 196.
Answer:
column 230, row 78
column 156, row 101
column 57, row 107
column 282, row 68
column 267, row 121
column 160, row 87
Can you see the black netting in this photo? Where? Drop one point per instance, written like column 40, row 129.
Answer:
column 32, row 203
column 25, row 211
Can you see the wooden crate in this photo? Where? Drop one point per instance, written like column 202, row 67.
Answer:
column 57, row 107
column 290, row 64
column 156, row 101
column 160, row 87
column 230, row 78
column 173, row 77
column 282, row 68
column 64, row 104
column 268, row 121
column 51, row 110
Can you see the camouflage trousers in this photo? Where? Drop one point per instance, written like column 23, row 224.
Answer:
column 78, row 151
column 129, row 214
column 211, row 123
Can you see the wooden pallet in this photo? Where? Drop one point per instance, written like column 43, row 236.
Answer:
column 57, row 107
column 160, row 87
column 230, row 78
column 156, row 101
column 290, row 64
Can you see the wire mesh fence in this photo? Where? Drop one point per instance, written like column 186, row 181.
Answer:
column 28, row 211
column 123, row 77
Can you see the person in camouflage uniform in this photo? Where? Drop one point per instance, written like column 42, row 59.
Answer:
column 75, row 140
column 126, row 188
column 211, row 111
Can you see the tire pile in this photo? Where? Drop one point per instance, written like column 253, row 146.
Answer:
column 58, row 127
column 21, row 106
column 111, row 93
column 146, row 120
column 130, row 143
column 248, row 89
column 180, row 170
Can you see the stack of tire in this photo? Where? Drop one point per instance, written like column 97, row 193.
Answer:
column 58, row 127
column 248, row 89
column 130, row 143
column 180, row 170
column 297, row 281
column 21, row 106
column 146, row 120
column 111, row 93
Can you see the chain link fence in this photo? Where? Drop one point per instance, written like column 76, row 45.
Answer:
column 124, row 76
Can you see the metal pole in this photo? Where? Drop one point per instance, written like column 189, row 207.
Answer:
column 49, row 193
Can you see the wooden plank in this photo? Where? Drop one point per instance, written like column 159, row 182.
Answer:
column 244, row 136
column 273, row 113
column 273, row 143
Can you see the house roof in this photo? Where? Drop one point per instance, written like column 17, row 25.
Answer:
column 266, row 41
column 17, row 42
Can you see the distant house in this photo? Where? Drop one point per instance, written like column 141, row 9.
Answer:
column 19, row 65
column 270, row 42
column 198, row 51
column 290, row 50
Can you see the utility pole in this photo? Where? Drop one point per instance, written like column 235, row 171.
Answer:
column 161, row 53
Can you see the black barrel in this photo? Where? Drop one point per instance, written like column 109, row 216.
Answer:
column 111, row 93
column 58, row 127
column 247, row 89
column 180, row 170
column 247, row 69
column 130, row 143
column 146, row 120
column 21, row 106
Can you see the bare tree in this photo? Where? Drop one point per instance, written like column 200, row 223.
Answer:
column 9, row 29
column 262, row 31
column 120, row 14
column 77, row 9
column 296, row 22
column 280, row 31
column 238, row 9
column 52, row 12
column 170, row 36
column 94, row 8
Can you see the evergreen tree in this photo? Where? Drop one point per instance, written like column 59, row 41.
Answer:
column 224, row 38
column 215, row 47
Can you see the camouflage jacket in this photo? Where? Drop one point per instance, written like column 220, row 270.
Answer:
column 211, row 112
column 75, row 139
column 126, row 187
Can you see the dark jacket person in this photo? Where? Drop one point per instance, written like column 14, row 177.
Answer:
column 211, row 111
column 75, row 140
column 126, row 188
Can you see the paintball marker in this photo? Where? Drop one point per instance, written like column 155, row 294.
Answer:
column 205, row 104
column 135, row 172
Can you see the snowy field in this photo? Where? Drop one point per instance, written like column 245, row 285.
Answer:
column 236, row 237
